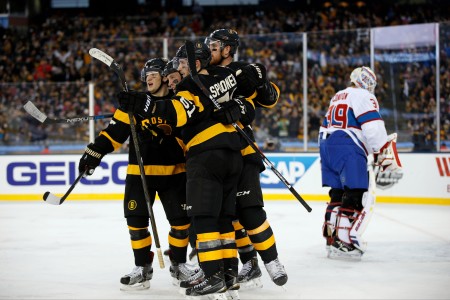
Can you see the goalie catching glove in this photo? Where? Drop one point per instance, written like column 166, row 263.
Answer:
column 90, row 160
column 136, row 102
column 387, row 157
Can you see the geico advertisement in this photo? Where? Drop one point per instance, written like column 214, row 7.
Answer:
column 425, row 178
column 35, row 174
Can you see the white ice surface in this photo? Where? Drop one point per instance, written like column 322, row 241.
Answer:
column 79, row 250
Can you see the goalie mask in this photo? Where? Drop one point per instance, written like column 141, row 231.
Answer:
column 226, row 37
column 365, row 78
column 153, row 65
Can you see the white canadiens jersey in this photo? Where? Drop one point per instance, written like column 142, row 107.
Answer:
column 356, row 111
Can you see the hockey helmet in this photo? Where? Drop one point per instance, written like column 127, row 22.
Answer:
column 153, row 65
column 169, row 68
column 201, row 51
column 365, row 78
column 226, row 37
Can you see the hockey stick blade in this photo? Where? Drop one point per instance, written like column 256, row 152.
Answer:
column 34, row 112
column 101, row 56
column 111, row 63
column 190, row 51
column 31, row 109
column 55, row 200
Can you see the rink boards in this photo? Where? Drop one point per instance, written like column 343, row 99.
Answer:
column 425, row 178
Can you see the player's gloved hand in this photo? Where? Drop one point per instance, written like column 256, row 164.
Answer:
column 387, row 157
column 251, row 77
column 90, row 160
column 134, row 101
column 229, row 112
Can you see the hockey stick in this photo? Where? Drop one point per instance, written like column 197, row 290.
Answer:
column 43, row 118
column 194, row 75
column 109, row 61
column 55, row 200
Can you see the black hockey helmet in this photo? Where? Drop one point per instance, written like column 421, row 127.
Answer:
column 153, row 65
column 169, row 69
column 226, row 37
column 201, row 50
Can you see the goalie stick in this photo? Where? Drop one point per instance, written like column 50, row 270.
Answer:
column 113, row 65
column 43, row 118
column 55, row 200
column 190, row 51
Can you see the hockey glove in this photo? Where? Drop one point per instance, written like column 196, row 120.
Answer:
column 251, row 77
column 136, row 102
column 90, row 159
column 230, row 112
column 387, row 157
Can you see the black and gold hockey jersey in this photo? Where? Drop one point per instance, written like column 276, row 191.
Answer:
column 192, row 111
column 266, row 97
column 160, row 144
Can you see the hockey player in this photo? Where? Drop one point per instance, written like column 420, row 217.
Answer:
column 351, row 130
column 213, row 165
column 257, row 234
column 172, row 75
column 164, row 163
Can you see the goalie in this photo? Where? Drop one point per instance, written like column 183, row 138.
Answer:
column 351, row 131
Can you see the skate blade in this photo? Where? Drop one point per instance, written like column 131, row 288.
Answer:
column 339, row 255
column 251, row 284
column 217, row 296
column 135, row 287
column 232, row 295
column 214, row 296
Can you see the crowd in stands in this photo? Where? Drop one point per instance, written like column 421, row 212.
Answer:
column 49, row 64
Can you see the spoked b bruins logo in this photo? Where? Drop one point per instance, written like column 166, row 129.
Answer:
column 132, row 205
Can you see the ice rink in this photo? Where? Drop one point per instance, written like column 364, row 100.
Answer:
column 79, row 250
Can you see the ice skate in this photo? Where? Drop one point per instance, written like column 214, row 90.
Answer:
column 182, row 272
column 277, row 272
column 195, row 279
column 250, row 275
column 231, row 281
column 344, row 251
column 213, row 287
column 138, row 279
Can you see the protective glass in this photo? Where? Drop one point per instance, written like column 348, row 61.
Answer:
column 179, row 61
column 147, row 71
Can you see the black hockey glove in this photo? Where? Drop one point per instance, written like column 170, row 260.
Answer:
column 136, row 102
column 229, row 112
column 251, row 77
column 90, row 159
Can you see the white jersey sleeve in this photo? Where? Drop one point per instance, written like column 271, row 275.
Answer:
column 367, row 113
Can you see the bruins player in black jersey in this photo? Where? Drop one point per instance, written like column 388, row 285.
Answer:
column 162, row 153
column 213, row 165
column 257, row 234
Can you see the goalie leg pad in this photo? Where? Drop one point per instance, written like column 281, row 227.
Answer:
column 331, row 213
column 351, row 208
column 362, row 220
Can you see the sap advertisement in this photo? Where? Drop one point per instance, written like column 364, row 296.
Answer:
column 425, row 178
